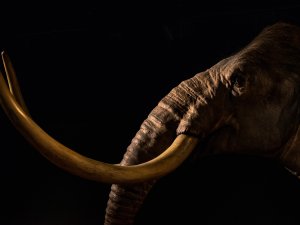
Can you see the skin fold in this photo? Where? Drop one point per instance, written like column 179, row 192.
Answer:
column 246, row 104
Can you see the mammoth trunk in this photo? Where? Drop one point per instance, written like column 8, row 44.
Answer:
column 178, row 112
column 156, row 134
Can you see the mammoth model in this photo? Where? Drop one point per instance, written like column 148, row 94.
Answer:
column 248, row 103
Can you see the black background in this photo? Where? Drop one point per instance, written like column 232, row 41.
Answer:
column 90, row 74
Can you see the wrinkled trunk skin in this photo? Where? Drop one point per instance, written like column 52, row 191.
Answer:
column 172, row 116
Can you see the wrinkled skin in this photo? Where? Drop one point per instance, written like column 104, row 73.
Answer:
column 247, row 103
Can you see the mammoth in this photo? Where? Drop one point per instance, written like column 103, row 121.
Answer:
column 248, row 103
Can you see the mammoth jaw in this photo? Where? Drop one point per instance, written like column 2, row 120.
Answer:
column 12, row 103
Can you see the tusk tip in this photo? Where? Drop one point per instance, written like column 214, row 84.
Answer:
column 3, row 55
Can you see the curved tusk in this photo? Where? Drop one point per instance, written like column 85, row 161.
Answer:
column 13, row 81
column 85, row 167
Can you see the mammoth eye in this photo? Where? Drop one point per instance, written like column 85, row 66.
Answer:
column 237, row 80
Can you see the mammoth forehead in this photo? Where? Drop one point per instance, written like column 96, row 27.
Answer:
column 276, row 51
column 259, row 64
column 277, row 43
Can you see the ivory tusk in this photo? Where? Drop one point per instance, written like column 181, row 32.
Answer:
column 85, row 167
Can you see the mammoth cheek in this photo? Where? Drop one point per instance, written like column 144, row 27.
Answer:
column 265, row 129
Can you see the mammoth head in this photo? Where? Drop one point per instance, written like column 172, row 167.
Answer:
column 248, row 103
